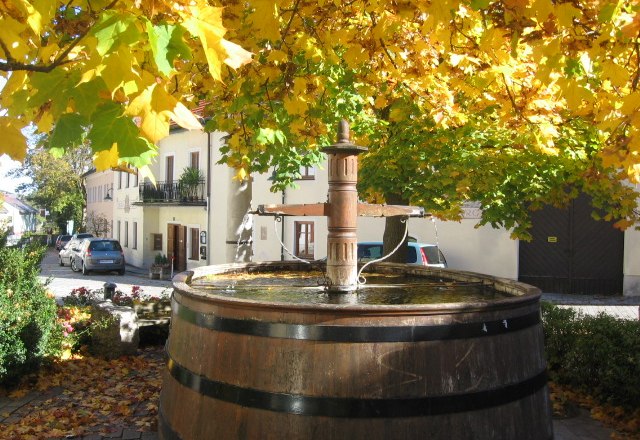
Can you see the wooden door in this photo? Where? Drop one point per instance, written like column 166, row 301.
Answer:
column 177, row 246
column 572, row 253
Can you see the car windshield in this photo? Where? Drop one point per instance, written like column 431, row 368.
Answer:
column 65, row 237
column 434, row 256
column 369, row 251
column 84, row 235
column 105, row 246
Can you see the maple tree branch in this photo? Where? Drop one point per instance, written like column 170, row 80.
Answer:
column 636, row 78
column 288, row 26
column 511, row 97
column 12, row 65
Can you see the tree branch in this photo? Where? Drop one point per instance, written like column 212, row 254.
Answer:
column 12, row 65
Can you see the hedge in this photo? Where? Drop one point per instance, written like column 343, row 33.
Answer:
column 29, row 332
column 599, row 355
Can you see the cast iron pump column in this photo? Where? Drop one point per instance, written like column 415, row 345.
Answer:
column 342, row 210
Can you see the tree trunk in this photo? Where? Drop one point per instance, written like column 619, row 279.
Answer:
column 394, row 231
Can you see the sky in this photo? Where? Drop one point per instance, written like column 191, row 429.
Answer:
column 7, row 164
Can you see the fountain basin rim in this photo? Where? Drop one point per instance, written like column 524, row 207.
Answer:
column 523, row 294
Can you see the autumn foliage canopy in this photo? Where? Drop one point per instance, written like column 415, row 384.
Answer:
column 514, row 78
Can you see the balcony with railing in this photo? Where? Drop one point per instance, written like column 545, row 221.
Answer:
column 174, row 193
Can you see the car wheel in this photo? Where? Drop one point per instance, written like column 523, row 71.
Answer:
column 74, row 265
column 85, row 271
column 121, row 271
column 60, row 261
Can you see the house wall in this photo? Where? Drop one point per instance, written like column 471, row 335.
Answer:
column 631, row 260
column 128, row 217
column 154, row 219
column 97, row 185
column 19, row 217
column 484, row 249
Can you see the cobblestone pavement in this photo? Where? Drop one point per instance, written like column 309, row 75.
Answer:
column 63, row 280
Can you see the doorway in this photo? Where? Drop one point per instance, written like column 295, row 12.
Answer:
column 572, row 253
column 177, row 246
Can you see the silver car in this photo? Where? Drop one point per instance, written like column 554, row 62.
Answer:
column 66, row 254
column 99, row 254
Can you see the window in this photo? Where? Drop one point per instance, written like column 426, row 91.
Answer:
column 135, row 236
column 195, row 242
column 157, row 242
column 119, row 179
column 194, row 159
column 307, row 173
column 169, row 170
column 126, row 234
column 128, row 179
column 304, row 239
column 135, row 178
column 118, row 231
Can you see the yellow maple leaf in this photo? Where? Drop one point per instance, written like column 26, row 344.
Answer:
column 617, row 74
column 45, row 123
column 241, row 174
column 13, row 142
column 106, row 159
column 153, row 123
column 145, row 172
column 205, row 22
column 295, row 106
column 265, row 19
column 236, row 55
column 184, row 117
column 565, row 13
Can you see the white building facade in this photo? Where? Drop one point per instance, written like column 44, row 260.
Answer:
column 216, row 226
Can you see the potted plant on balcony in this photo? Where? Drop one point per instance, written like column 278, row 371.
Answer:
column 189, row 181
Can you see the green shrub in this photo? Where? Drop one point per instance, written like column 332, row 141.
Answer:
column 599, row 355
column 29, row 332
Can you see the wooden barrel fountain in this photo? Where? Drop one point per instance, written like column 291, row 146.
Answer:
column 252, row 369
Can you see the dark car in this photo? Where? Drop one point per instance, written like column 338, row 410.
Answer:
column 99, row 254
column 62, row 240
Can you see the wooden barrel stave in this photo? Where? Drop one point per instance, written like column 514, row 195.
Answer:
column 258, row 354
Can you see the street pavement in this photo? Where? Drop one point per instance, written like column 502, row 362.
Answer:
column 61, row 280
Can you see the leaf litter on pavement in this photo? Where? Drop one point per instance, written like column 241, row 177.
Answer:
column 92, row 395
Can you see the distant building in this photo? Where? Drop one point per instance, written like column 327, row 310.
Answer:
column 99, row 187
column 16, row 215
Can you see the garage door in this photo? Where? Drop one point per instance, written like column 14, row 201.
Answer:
column 572, row 253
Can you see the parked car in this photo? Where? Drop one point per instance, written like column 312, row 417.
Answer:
column 62, row 240
column 81, row 235
column 67, row 254
column 422, row 254
column 69, row 250
column 99, row 254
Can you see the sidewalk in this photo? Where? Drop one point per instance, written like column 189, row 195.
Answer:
column 623, row 307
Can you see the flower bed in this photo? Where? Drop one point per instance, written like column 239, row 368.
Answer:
column 110, row 328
